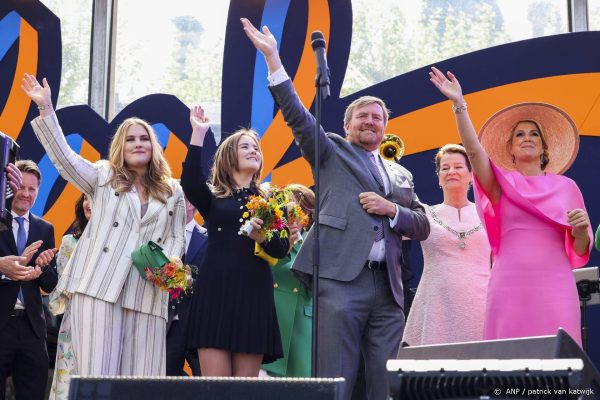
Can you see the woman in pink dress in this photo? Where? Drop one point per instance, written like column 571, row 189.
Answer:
column 450, row 303
column 535, row 218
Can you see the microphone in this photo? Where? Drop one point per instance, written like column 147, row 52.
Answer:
column 317, row 41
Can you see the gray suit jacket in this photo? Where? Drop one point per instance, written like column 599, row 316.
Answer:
column 101, row 265
column 346, row 229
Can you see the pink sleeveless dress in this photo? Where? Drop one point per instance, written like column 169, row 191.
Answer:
column 449, row 306
column 532, row 290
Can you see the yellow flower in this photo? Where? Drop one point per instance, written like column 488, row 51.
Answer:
column 278, row 212
column 246, row 214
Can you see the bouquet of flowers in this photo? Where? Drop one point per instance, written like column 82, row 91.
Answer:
column 296, row 215
column 173, row 277
column 270, row 211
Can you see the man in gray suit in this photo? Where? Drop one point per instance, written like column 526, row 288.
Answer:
column 367, row 205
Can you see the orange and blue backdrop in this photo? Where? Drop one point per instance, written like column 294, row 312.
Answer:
column 563, row 70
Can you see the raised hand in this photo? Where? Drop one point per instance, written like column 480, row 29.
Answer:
column 449, row 87
column 15, row 177
column 200, row 125
column 40, row 95
column 198, row 120
column 264, row 42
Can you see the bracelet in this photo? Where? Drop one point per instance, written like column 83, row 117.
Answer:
column 44, row 107
column 459, row 109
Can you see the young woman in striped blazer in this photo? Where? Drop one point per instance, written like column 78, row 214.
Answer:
column 117, row 318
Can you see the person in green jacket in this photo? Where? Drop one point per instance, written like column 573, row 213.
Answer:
column 293, row 301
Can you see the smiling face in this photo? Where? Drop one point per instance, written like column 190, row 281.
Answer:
column 249, row 157
column 137, row 149
column 365, row 124
column 527, row 142
column 25, row 197
column 454, row 172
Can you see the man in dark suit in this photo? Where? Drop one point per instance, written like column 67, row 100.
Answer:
column 177, row 354
column 23, row 353
column 367, row 205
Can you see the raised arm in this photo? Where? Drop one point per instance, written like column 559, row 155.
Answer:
column 450, row 87
column 193, row 180
column 72, row 167
column 296, row 116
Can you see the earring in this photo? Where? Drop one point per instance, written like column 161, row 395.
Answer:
column 513, row 159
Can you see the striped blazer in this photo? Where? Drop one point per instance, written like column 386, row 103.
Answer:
column 101, row 265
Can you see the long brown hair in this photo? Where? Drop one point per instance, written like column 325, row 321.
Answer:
column 226, row 161
column 156, row 180
column 80, row 220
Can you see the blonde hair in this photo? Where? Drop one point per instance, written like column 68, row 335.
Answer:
column 365, row 101
column 226, row 161
column 155, row 182
column 29, row 166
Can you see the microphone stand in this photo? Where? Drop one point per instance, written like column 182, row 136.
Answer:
column 322, row 93
column 585, row 289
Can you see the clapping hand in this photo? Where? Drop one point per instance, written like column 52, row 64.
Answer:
column 449, row 87
column 31, row 250
column 13, row 267
column 45, row 258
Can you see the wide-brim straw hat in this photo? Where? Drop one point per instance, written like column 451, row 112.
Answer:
column 558, row 128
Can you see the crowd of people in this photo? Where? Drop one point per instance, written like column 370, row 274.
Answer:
column 499, row 267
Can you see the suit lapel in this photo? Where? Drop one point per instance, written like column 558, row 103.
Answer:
column 369, row 177
column 10, row 237
column 194, row 247
column 34, row 232
column 154, row 206
column 395, row 177
column 134, row 205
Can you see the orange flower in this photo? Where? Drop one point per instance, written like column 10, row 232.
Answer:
column 170, row 270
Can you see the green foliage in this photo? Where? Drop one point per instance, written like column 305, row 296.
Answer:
column 398, row 37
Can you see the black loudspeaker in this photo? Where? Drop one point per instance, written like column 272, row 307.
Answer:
column 561, row 346
column 171, row 388
column 8, row 154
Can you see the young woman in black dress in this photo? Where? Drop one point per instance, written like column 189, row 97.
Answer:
column 233, row 323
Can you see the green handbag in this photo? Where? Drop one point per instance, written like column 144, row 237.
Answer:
column 148, row 255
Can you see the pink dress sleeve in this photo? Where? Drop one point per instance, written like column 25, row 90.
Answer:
column 548, row 197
